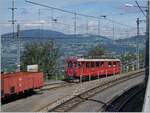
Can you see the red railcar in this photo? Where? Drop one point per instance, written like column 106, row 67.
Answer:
column 85, row 68
column 19, row 82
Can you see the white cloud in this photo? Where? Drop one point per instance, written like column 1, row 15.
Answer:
column 36, row 23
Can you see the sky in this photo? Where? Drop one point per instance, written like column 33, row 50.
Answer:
column 31, row 16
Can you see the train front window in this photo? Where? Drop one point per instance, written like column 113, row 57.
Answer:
column 70, row 64
column 75, row 64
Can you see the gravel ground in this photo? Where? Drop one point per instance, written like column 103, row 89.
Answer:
column 105, row 96
column 34, row 102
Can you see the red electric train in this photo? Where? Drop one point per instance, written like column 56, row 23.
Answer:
column 93, row 68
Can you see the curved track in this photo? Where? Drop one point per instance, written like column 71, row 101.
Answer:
column 70, row 103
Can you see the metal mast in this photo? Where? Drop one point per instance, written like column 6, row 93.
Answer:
column 87, row 26
column 99, row 27
column 18, row 48
column 13, row 17
column 138, row 54
column 75, row 23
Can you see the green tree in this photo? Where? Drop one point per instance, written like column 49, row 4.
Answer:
column 97, row 52
column 45, row 54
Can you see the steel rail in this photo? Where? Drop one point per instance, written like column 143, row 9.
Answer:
column 66, row 105
column 56, row 85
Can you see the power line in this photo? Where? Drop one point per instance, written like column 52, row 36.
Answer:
column 74, row 13
column 140, row 8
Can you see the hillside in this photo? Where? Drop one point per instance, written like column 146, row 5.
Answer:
column 35, row 33
column 69, row 45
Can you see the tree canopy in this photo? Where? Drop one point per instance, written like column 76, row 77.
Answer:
column 45, row 54
column 97, row 52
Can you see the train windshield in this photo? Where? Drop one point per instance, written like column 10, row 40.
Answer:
column 72, row 64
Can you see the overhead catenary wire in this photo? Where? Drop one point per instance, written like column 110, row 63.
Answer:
column 79, row 14
column 140, row 8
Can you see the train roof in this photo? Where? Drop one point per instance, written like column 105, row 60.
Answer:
column 82, row 59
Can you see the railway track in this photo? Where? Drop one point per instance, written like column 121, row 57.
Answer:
column 120, row 102
column 86, row 95
column 56, row 85
column 66, row 104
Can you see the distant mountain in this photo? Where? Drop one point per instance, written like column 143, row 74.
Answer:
column 36, row 33
column 69, row 44
column 44, row 33
column 134, row 39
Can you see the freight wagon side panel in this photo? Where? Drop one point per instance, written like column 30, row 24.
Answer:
column 20, row 83
column 30, row 82
column 38, row 80
column 9, row 85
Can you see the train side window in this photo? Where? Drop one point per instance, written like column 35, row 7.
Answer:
column 118, row 63
column 109, row 64
column 75, row 64
column 87, row 64
column 97, row 64
column 92, row 64
column 102, row 64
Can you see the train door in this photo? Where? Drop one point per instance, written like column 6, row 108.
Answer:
column 114, row 67
column 102, row 68
column 110, row 68
column 97, row 69
column 106, row 67
column 87, row 68
column 80, row 69
column 118, row 67
column 92, row 69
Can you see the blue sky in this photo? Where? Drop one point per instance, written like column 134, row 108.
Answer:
column 27, row 15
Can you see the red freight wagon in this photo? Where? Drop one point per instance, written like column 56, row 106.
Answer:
column 85, row 68
column 15, row 83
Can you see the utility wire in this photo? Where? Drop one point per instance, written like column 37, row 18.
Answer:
column 74, row 13
column 140, row 8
